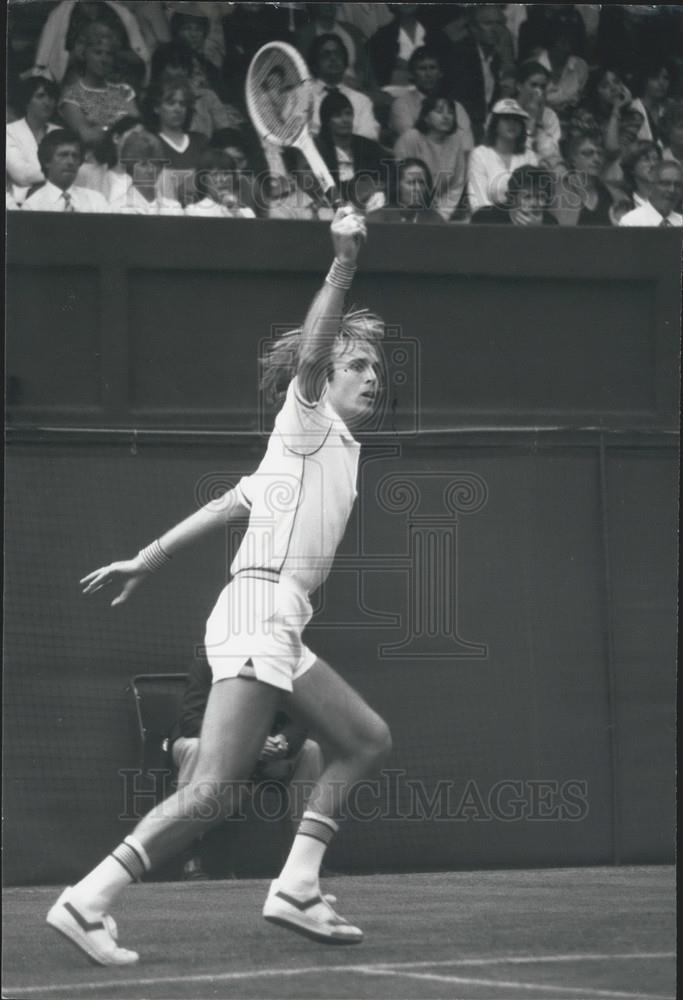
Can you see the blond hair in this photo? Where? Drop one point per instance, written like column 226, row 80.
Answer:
column 281, row 360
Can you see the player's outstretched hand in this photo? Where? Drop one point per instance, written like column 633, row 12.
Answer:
column 348, row 232
column 126, row 577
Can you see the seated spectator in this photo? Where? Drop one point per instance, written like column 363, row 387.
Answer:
column 346, row 154
column 217, row 185
column 475, row 49
column 92, row 102
column 251, row 169
column 529, row 196
column 328, row 60
column 60, row 154
column 606, row 97
column 638, row 166
column 38, row 103
column 216, row 14
column 672, row 132
column 437, row 141
column 209, row 114
column 169, row 112
column 504, row 149
column 427, row 74
column 630, row 122
column 542, row 125
column 143, row 156
column 666, row 191
column 583, row 198
column 190, row 30
column 409, row 196
column 60, row 41
column 651, row 89
column 104, row 171
column 392, row 46
column 568, row 71
column 323, row 20
column 288, row 757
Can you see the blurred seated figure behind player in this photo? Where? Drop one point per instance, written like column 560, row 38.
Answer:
column 143, row 156
column 60, row 155
column 409, row 196
column 529, row 196
column 217, row 185
column 288, row 757
column 426, row 73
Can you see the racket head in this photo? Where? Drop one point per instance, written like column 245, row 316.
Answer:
column 278, row 93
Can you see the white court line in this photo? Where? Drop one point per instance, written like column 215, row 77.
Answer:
column 531, row 959
column 588, row 991
column 381, row 967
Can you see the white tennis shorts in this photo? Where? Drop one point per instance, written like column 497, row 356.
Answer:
column 260, row 621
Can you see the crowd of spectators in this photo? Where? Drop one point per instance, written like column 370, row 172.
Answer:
column 424, row 113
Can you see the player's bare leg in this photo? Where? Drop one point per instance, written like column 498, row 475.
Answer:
column 354, row 741
column 237, row 720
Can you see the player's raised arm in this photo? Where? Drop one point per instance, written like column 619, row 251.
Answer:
column 127, row 575
column 324, row 316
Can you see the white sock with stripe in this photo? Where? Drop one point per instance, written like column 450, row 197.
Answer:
column 299, row 877
column 127, row 863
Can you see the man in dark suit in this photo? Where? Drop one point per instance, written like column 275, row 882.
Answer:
column 475, row 49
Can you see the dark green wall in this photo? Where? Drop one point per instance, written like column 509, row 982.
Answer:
column 533, row 469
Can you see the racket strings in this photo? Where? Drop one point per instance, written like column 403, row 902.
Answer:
column 280, row 95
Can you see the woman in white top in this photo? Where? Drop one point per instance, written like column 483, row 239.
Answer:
column 437, row 141
column 217, row 183
column 39, row 100
column 503, row 150
column 142, row 154
column 638, row 166
column 543, row 126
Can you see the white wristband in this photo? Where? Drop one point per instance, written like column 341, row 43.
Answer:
column 340, row 274
column 153, row 556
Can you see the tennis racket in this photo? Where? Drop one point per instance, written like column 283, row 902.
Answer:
column 280, row 103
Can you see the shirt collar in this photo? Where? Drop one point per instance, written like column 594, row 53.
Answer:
column 56, row 193
column 331, row 414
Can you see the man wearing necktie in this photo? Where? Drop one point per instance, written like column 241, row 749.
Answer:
column 665, row 197
column 60, row 154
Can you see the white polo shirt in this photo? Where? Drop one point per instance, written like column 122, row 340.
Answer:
column 301, row 495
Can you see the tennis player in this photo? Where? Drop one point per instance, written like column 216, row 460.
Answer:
column 299, row 501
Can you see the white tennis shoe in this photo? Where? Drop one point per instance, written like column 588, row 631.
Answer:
column 96, row 938
column 314, row 917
